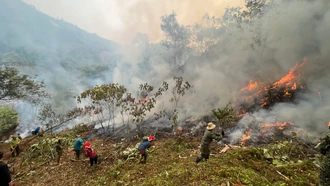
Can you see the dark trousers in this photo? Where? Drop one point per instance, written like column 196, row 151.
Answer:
column 144, row 154
column 77, row 154
column 58, row 157
column 205, row 156
column 93, row 160
column 15, row 151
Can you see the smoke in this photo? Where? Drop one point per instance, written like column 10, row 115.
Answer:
column 263, row 50
column 292, row 30
column 119, row 21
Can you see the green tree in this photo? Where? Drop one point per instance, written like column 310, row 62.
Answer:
column 177, row 91
column 177, row 39
column 53, row 119
column 139, row 109
column 225, row 116
column 105, row 100
column 14, row 86
column 8, row 119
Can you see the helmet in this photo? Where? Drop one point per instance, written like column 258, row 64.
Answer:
column 151, row 138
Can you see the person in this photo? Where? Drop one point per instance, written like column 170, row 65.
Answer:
column 144, row 145
column 5, row 178
column 14, row 146
column 208, row 137
column 37, row 130
column 324, row 147
column 58, row 150
column 91, row 153
column 77, row 146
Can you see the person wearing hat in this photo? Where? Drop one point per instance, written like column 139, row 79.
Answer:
column 208, row 137
column 144, row 145
column 14, row 146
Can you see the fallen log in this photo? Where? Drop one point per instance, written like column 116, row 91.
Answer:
column 227, row 147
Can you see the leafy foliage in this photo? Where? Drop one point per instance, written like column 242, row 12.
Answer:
column 177, row 38
column 177, row 91
column 105, row 100
column 53, row 119
column 8, row 118
column 14, row 86
column 225, row 116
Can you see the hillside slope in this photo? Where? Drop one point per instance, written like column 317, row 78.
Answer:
column 170, row 162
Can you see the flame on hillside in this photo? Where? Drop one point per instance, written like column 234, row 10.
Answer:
column 246, row 136
column 278, row 125
column 257, row 95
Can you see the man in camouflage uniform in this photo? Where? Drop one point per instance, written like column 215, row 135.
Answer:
column 324, row 147
column 208, row 137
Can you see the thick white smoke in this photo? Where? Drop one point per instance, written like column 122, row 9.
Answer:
column 265, row 51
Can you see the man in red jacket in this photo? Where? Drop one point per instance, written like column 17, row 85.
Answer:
column 91, row 153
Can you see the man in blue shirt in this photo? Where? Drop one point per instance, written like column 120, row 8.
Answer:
column 77, row 147
column 144, row 145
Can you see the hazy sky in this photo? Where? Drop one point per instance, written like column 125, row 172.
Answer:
column 120, row 20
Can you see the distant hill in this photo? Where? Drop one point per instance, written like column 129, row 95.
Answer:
column 58, row 52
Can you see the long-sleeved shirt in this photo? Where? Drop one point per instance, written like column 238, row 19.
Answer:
column 14, row 143
column 77, row 144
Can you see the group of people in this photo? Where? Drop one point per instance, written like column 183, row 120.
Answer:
column 77, row 147
column 208, row 137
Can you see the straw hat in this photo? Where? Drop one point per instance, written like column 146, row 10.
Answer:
column 210, row 126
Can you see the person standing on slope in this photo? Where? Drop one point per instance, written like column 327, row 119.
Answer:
column 77, row 146
column 208, row 137
column 91, row 153
column 58, row 150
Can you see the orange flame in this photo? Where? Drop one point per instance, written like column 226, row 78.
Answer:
column 245, row 137
column 251, row 86
column 278, row 125
column 287, row 79
column 329, row 124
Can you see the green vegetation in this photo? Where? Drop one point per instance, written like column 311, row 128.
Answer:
column 14, row 86
column 8, row 118
column 169, row 163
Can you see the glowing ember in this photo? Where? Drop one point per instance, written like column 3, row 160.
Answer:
column 245, row 137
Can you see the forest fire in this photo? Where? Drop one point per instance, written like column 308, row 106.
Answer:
column 278, row 125
column 257, row 96
column 246, row 136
